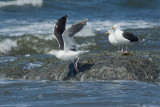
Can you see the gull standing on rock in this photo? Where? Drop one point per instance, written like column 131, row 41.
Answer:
column 124, row 38
column 67, row 45
column 112, row 39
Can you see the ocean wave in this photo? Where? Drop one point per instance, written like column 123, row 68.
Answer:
column 47, row 27
column 18, row 29
column 30, row 44
column 38, row 38
column 137, row 3
column 7, row 45
column 21, row 3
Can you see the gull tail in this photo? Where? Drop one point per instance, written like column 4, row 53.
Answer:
column 82, row 52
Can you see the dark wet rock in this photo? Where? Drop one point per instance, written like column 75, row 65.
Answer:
column 141, row 66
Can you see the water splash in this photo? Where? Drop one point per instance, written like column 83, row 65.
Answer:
column 7, row 44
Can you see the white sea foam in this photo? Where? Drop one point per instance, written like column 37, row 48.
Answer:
column 85, row 44
column 36, row 28
column 47, row 27
column 27, row 55
column 21, row 3
column 7, row 59
column 103, row 26
column 15, row 105
column 7, row 44
column 33, row 65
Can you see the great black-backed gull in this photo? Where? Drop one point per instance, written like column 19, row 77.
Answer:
column 112, row 39
column 124, row 38
column 67, row 45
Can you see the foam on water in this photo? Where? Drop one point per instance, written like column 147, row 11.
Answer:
column 27, row 55
column 103, row 26
column 33, row 65
column 85, row 44
column 7, row 44
column 44, row 30
column 21, row 3
column 35, row 28
column 47, row 27
column 7, row 59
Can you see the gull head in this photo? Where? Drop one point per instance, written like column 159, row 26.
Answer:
column 110, row 32
column 116, row 27
column 54, row 52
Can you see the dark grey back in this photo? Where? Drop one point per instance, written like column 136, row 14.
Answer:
column 130, row 36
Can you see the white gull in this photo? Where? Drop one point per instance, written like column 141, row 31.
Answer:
column 67, row 45
column 124, row 38
column 112, row 39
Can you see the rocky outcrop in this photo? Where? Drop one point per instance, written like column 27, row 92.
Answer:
column 141, row 66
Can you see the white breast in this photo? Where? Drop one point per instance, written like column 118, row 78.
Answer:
column 119, row 37
column 67, row 55
column 113, row 40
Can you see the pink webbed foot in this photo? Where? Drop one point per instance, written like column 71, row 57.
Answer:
column 75, row 65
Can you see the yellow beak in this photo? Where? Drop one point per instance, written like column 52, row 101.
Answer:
column 113, row 27
column 107, row 32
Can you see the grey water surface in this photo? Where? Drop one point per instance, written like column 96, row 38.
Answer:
column 80, row 94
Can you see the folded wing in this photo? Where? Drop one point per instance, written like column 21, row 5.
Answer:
column 130, row 37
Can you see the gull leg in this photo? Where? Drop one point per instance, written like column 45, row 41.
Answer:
column 118, row 49
column 126, row 49
column 76, row 65
column 122, row 49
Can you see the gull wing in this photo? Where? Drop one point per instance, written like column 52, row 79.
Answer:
column 68, row 35
column 59, row 29
column 130, row 36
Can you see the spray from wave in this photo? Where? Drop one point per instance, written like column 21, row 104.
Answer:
column 6, row 45
column 15, row 28
column 21, row 3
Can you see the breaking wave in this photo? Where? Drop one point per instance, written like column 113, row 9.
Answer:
column 21, row 3
column 19, row 28
column 38, row 37
column 6, row 45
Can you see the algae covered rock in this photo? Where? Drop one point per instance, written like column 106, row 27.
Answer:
column 141, row 66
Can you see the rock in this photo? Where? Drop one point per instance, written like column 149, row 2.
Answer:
column 140, row 66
